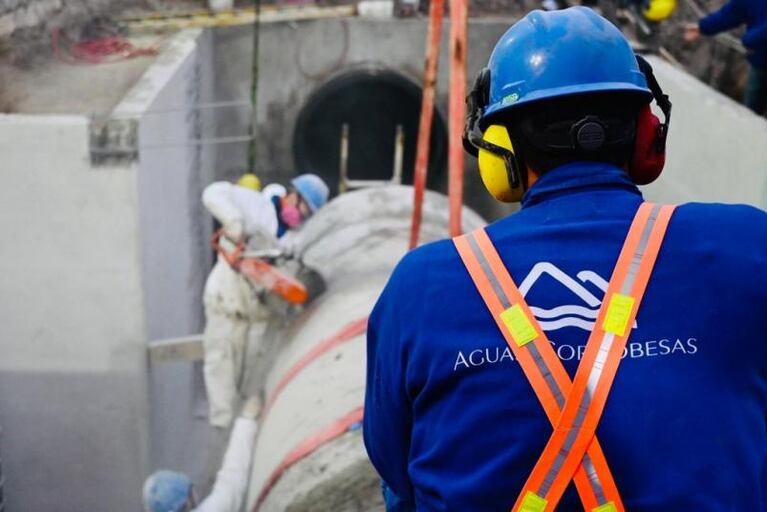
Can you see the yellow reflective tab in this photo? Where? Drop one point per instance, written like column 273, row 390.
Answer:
column 519, row 325
column 533, row 503
column 618, row 313
column 607, row 507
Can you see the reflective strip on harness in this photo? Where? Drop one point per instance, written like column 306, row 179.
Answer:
column 585, row 402
column 537, row 358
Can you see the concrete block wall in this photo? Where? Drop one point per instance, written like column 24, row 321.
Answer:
column 100, row 259
column 172, row 170
column 72, row 365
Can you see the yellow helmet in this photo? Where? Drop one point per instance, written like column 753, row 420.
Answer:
column 250, row 180
column 660, row 10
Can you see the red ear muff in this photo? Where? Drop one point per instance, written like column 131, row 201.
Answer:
column 649, row 151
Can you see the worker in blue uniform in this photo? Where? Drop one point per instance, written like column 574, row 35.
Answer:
column 560, row 119
column 752, row 13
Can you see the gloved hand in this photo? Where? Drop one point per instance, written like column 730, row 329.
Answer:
column 233, row 230
column 289, row 245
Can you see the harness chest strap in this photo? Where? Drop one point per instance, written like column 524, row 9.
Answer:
column 585, row 464
column 596, row 372
column 536, row 357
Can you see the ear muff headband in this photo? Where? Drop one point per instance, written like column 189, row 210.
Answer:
column 661, row 99
column 495, row 152
column 499, row 167
column 651, row 135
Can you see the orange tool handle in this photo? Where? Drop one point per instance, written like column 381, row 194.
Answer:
column 261, row 272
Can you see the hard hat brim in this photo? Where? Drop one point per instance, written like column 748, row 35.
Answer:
column 569, row 90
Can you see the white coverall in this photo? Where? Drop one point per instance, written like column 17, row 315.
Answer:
column 233, row 312
column 228, row 491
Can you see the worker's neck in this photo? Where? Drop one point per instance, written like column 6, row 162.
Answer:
column 533, row 175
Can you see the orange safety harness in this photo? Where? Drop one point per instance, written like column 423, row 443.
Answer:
column 575, row 407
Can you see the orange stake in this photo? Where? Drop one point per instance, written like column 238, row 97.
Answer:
column 436, row 9
column 456, row 111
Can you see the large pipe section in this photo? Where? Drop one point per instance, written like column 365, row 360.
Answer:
column 309, row 453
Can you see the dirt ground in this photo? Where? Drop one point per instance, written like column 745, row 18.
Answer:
column 713, row 62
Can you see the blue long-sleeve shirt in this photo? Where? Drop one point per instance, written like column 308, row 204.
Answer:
column 452, row 424
column 735, row 13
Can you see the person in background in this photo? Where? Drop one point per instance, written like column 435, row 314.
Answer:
column 169, row 491
column 233, row 311
column 752, row 13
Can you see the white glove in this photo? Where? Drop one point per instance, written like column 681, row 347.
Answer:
column 289, row 244
column 233, row 230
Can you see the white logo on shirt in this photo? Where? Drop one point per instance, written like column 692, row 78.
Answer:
column 582, row 315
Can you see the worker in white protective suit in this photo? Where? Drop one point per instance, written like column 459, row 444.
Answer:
column 233, row 311
column 169, row 491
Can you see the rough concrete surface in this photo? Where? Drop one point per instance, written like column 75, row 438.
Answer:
column 341, row 479
column 17, row 15
column 708, row 59
column 58, row 87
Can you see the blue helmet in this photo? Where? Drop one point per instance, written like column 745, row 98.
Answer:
column 167, row 491
column 312, row 190
column 561, row 53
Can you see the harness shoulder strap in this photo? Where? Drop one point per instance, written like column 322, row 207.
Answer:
column 540, row 364
column 585, row 403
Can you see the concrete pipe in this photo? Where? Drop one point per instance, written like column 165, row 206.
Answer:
column 309, row 453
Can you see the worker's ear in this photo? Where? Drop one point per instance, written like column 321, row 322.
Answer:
column 500, row 171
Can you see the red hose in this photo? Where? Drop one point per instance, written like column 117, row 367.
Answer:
column 96, row 51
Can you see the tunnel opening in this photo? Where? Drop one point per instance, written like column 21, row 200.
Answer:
column 372, row 102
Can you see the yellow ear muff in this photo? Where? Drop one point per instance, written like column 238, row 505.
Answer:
column 492, row 167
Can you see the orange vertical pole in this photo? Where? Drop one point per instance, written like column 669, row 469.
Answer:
column 456, row 110
column 436, row 8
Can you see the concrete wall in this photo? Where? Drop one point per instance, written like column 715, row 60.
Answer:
column 101, row 259
column 717, row 148
column 72, row 372
column 297, row 58
column 173, row 168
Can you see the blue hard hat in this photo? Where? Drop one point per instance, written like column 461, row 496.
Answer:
column 167, row 491
column 312, row 190
column 548, row 55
